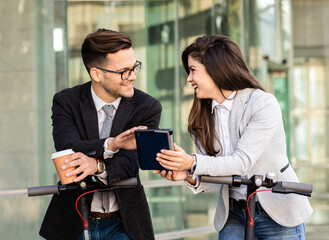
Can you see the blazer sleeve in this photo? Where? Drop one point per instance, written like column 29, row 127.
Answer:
column 68, row 127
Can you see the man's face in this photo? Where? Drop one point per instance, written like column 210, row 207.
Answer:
column 112, row 85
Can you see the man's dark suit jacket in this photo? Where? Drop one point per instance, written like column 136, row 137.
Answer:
column 75, row 125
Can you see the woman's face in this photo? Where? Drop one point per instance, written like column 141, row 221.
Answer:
column 204, row 85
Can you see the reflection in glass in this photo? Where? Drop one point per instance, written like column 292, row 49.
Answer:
column 300, row 136
column 319, row 138
column 316, row 75
column 299, row 88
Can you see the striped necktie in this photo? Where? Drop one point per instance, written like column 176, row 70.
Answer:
column 107, row 125
column 105, row 133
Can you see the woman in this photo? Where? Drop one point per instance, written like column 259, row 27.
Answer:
column 238, row 130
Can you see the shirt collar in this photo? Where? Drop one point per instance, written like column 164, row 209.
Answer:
column 99, row 103
column 228, row 103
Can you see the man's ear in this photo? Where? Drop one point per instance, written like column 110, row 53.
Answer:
column 96, row 74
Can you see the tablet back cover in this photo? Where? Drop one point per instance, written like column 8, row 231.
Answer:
column 149, row 143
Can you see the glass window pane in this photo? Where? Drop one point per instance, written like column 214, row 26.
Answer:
column 319, row 138
column 299, row 88
column 316, row 75
column 300, row 136
column 267, row 26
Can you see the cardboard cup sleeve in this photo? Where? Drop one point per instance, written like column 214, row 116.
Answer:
column 58, row 159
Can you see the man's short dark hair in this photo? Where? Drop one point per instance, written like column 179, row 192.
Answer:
column 98, row 44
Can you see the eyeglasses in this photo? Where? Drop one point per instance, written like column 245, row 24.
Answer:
column 126, row 73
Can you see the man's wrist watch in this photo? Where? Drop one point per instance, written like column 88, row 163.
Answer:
column 100, row 166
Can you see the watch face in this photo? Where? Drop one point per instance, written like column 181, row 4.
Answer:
column 101, row 166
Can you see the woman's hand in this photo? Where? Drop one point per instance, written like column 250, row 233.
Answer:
column 172, row 175
column 125, row 140
column 176, row 160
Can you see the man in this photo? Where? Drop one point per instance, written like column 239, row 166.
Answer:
column 79, row 121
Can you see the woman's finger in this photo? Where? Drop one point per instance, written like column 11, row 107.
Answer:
column 171, row 166
column 168, row 162
column 169, row 152
column 178, row 148
column 167, row 157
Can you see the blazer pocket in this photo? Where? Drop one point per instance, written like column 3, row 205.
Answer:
column 284, row 168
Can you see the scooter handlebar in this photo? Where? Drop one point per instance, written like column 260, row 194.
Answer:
column 218, row 180
column 300, row 187
column 45, row 190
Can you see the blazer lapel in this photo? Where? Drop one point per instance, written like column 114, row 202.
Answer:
column 239, row 105
column 89, row 113
column 121, row 117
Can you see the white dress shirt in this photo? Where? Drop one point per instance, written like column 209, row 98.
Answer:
column 97, row 204
column 222, row 116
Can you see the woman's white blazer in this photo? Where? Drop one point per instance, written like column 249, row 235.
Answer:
column 258, row 139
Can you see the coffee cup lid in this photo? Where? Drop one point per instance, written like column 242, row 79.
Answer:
column 61, row 153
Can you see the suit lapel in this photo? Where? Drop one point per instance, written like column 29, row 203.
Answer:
column 121, row 117
column 89, row 113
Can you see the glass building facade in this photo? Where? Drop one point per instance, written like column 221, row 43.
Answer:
column 284, row 43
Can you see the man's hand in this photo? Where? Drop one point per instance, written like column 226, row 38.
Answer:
column 125, row 140
column 175, row 176
column 82, row 163
column 172, row 175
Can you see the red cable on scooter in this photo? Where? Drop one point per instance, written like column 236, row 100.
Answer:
column 251, row 222
column 85, row 223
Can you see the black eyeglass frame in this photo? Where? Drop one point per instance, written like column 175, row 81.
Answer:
column 138, row 63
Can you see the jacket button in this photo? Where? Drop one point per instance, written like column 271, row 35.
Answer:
column 91, row 153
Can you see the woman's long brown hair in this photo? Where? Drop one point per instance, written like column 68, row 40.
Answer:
column 225, row 64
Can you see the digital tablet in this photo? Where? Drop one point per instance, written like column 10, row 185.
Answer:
column 149, row 142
